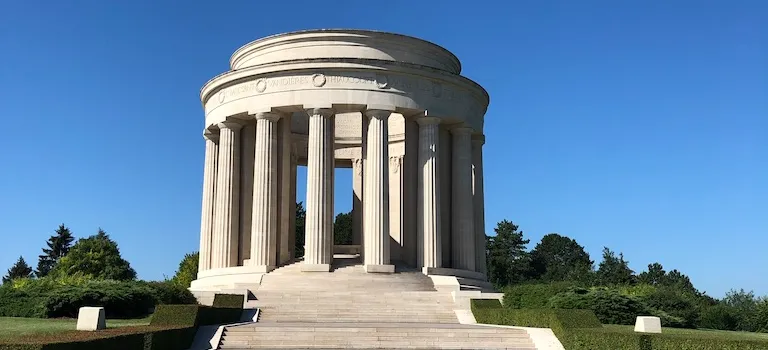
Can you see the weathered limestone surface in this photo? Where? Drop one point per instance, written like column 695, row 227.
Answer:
column 319, row 220
column 90, row 318
column 648, row 324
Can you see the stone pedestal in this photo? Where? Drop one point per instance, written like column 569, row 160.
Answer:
column 91, row 318
column 648, row 324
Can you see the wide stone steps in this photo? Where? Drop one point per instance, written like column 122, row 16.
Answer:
column 372, row 336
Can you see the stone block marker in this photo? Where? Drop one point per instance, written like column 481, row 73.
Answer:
column 648, row 324
column 91, row 318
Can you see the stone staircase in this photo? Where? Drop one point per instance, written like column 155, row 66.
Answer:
column 349, row 308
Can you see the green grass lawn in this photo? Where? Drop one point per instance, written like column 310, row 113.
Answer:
column 698, row 333
column 19, row 327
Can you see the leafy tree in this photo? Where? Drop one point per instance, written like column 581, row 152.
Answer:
column 677, row 280
column 508, row 261
column 746, row 306
column 559, row 258
column 96, row 256
column 614, row 269
column 342, row 229
column 187, row 271
column 655, row 276
column 58, row 246
column 19, row 270
column 301, row 215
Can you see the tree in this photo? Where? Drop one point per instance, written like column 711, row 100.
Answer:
column 97, row 257
column 614, row 270
column 58, row 246
column 560, row 258
column 746, row 306
column 508, row 260
column 19, row 270
column 342, row 229
column 187, row 271
column 655, row 276
column 301, row 215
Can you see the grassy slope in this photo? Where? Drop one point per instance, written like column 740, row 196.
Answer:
column 19, row 327
column 698, row 333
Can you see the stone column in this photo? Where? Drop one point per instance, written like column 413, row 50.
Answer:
column 376, row 197
column 292, row 208
column 226, row 208
column 209, row 190
column 396, row 209
column 284, row 190
column 247, row 148
column 357, row 201
column 463, row 217
column 478, row 202
column 429, row 221
column 318, row 251
column 264, row 219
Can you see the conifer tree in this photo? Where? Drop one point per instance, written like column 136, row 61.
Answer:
column 19, row 270
column 58, row 246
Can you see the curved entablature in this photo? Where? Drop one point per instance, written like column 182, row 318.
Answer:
column 339, row 44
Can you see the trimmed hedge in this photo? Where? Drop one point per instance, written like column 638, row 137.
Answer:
column 581, row 330
column 195, row 315
column 124, row 338
column 228, row 300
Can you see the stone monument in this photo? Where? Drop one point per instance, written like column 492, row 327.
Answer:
column 393, row 108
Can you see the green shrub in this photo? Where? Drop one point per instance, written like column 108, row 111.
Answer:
column 533, row 295
column 119, row 299
column 608, row 305
column 228, row 300
column 167, row 292
column 721, row 317
column 689, row 342
column 680, row 310
column 21, row 303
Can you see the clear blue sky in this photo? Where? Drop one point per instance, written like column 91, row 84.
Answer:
column 637, row 125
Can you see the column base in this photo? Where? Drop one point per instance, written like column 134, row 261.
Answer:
column 315, row 267
column 379, row 268
column 257, row 268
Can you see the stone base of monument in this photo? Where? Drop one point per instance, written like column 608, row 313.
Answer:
column 315, row 267
column 648, row 324
column 379, row 268
column 91, row 319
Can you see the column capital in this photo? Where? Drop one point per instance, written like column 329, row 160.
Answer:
column 230, row 124
column 461, row 130
column 209, row 135
column 378, row 113
column 428, row 120
column 271, row 116
column 323, row 112
column 478, row 139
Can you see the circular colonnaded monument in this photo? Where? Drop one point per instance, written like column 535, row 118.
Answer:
column 393, row 108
